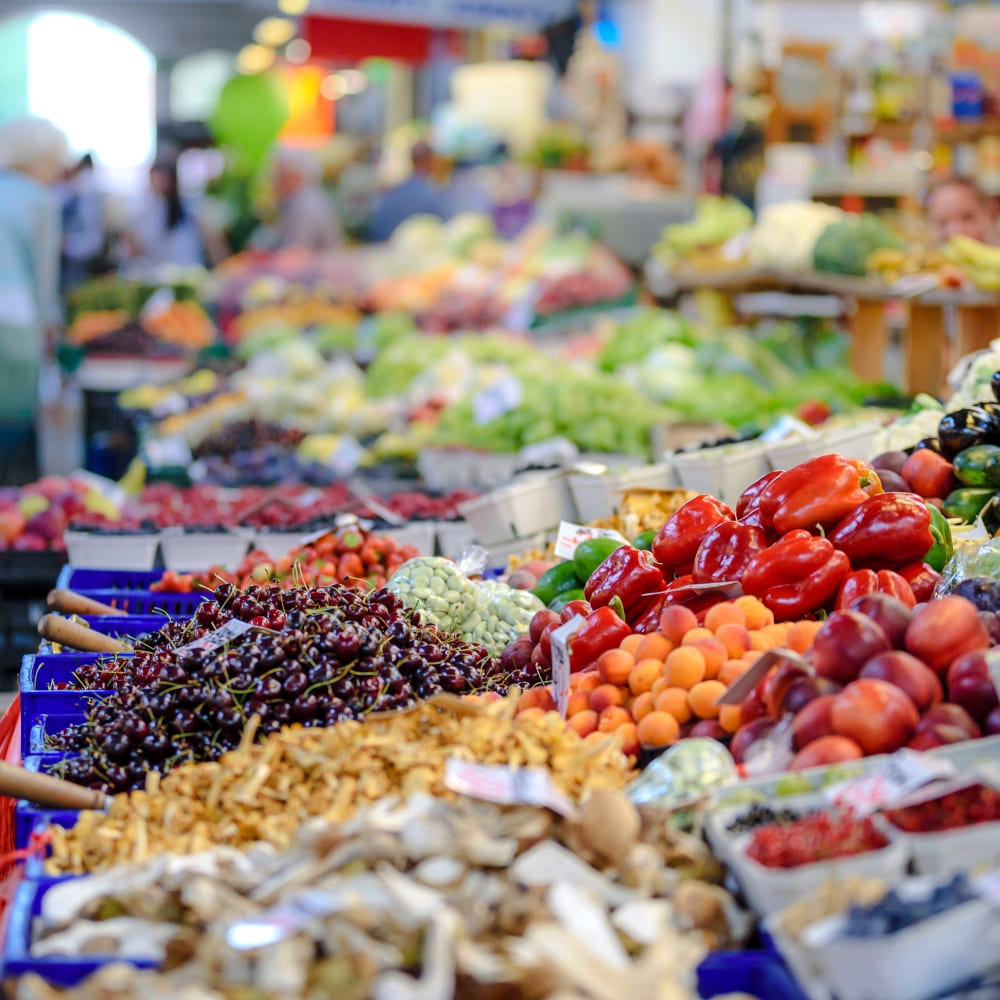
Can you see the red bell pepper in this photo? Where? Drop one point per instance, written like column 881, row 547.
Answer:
column 726, row 551
column 887, row 531
column 750, row 498
column 627, row 573
column 923, row 580
column 868, row 581
column 797, row 575
column 820, row 492
column 649, row 620
column 676, row 543
column 698, row 601
column 603, row 630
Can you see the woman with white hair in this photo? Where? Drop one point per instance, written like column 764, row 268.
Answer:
column 33, row 155
column 306, row 215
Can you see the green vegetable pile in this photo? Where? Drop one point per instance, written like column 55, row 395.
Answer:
column 845, row 246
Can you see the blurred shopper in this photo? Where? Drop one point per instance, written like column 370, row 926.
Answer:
column 164, row 230
column 417, row 195
column 33, row 156
column 307, row 217
column 467, row 190
column 958, row 207
column 83, row 239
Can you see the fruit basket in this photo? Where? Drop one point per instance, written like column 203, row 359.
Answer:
column 596, row 495
column 119, row 627
column 725, row 471
column 106, row 551
column 533, row 504
column 758, row 973
column 186, row 551
column 444, row 469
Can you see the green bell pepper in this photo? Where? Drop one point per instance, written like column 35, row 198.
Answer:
column 943, row 547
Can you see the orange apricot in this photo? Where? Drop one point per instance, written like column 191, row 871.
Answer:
column 715, row 654
column 579, row 701
column 674, row 701
column 726, row 613
column 778, row 632
column 613, row 717
column 641, row 705
column 660, row 684
column 761, row 641
column 729, row 717
column 676, row 621
column 627, row 732
column 736, row 638
column 702, row 698
column 586, row 680
column 684, row 667
column 731, row 671
column 531, row 713
column 654, row 646
column 696, row 635
column 584, row 722
column 537, row 697
column 658, row 729
column 644, row 675
column 801, row 634
column 631, row 643
column 606, row 696
column 757, row 615
column 614, row 666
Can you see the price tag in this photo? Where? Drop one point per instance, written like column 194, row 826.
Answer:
column 530, row 786
column 757, row 671
column 346, row 456
column 497, row 399
column 572, row 535
column 157, row 304
column 167, row 452
column 106, row 487
column 560, row 660
column 308, row 498
column 220, row 637
column 889, row 780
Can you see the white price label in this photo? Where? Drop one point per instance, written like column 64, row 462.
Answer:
column 889, row 780
column 308, row 498
column 756, row 672
column 560, row 660
column 497, row 399
column 220, row 637
column 573, row 535
column 346, row 456
column 530, row 786
column 157, row 304
column 167, row 452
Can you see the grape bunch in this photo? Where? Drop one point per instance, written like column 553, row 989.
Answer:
column 316, row 656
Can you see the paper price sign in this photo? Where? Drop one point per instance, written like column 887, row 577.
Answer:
column 220, row 637
column 572, row 535
column 530, row 786
column 497, row 399
column 560, row 660
column 891, row 779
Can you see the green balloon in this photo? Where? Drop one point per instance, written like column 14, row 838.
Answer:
column 251, row 112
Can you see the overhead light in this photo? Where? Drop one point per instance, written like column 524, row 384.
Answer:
column 274, row 31
column 355, row 80
column 298, row 50
column 333, row 87
column 293, row 7
column 254, row 58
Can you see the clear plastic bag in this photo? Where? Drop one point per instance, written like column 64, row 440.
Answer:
column 684, row 773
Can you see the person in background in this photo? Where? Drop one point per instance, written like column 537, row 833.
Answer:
column 956, row 206
column 417, row 195
column 307, row 217
column 82, row 224
column 33, row 156
column 164, row 230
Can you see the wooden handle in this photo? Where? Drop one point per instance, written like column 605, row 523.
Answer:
column 46, row 791
column 71, row 603
column 87, row 640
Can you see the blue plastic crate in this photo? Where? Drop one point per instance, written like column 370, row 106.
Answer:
column 760, row 973
column 149, row 602
column 118, row 626
column 74, row 578
column 29, row 817
column 34, row 739
column 18, row 959
column 34, row 867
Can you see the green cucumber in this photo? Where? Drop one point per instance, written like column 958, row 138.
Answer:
column 978, row 466
column 591, row 553
column 966, row 503
column 557, row 580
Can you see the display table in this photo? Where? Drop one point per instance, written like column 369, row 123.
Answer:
column 926, row 346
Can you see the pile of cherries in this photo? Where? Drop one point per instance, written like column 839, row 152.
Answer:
column 316, row 656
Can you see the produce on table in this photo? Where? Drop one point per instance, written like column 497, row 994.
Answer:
column 785, row 236
column 819, row 836
column 327, row 654
column 884, row 676
column 845, row 246
column 951, row 811
column 976, row 261
column 762, row 815
column 330, row 772
column 716, row 221
column 892, row 914
column 465, row 898
column 349, row 557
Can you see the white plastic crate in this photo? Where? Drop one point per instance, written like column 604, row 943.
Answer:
column 600, row 495
column 499, row 555
column 198, row 550
column 951, row 851
column 97, row 551
column 454, row 538
column 532, row 504
column 446, row 469
column 277, row 543
column 725, row 472
column 421, row 534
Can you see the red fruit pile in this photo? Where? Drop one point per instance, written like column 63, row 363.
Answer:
column 814, row 837
column 880, row 676
column 978, row 804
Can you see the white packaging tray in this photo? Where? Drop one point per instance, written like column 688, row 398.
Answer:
column 198, row 550
column 532, row 504
column 94, row 551
column 769, row 890
column 917, row 963
column 447, row 469
column 600, row 495
column 724, row 472
column 951, row 851
column 500, row 554
column 454, row 538
column 421, row 534
column 278, row 543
